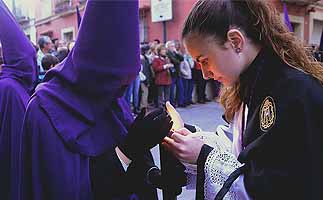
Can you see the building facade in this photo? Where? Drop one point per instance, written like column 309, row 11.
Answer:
column 58, row 20
column 306, row 17
column 25, row 15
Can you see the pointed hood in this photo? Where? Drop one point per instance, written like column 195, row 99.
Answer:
column 106, row 52
column 19, row 55
column 83, row 95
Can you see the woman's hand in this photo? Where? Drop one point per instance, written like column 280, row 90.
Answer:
column 184, row 145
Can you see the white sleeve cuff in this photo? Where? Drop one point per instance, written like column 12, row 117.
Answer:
column 125, row 161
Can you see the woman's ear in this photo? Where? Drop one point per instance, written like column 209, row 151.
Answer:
column 236, row 39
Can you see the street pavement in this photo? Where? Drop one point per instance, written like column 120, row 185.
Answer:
column 206, row 116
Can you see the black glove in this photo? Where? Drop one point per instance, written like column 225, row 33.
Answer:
column 173, row 183
column 146, row 132
column 145, row 169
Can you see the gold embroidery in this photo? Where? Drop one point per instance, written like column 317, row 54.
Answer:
column 267, row 114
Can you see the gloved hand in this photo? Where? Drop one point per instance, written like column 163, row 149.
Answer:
column 146, row 132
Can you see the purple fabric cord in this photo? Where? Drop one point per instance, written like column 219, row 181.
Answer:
column 18, row 53
column 82, row 95
column 79, row 17
column 286, row 18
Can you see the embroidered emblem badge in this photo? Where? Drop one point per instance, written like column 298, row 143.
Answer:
column 267, row 114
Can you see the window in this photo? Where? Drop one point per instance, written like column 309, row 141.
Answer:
column 68, row 34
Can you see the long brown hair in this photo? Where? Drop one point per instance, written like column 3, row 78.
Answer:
column 262, row 24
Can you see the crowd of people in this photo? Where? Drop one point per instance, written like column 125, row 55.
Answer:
column 168, row 73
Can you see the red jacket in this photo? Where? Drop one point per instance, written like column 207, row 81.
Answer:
column 162, row 76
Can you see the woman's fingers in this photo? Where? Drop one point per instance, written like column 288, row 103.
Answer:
column 170, row 144
column 185, row 148
column 183, row 131
column 177, row 137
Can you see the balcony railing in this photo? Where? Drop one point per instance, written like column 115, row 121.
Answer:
column 301, row 2
column 62, row 6
column 21, row 15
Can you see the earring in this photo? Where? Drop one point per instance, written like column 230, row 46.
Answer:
column 238, row 50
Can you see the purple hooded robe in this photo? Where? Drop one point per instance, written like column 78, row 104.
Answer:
column 77, row 117
column 16, row 83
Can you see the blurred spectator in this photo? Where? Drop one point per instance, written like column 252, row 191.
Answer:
column 156, row 41
column 318, row 55
column 45, row 46
column 153, row 91
column 70, row 45
column 177, row 46
column 49, row 61
column 60, row 43
column 163, row 80
column 61, row 53
column 147, row 72
column 176, row 90
column 186, row 74
column 143, row 91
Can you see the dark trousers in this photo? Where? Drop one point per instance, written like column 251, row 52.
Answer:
column 176, row 91
column 163, row 94
column 200, row 85
column 153, row 93
column 180, row 90
column 173, row 90
column 188, row 90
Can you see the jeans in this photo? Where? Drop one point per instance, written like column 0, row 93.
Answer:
column 163, row 94
column 133, row 91
column 180, row 90
column 188, row 90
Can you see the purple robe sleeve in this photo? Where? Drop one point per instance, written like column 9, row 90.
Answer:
column 12, row 110
column 49, row 170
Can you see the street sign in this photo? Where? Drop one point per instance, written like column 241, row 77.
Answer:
column 161, row 10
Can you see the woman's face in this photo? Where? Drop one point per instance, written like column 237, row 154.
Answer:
column 163, row 52
column 219, row 62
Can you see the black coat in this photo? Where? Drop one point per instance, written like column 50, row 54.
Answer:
column 176, row 59
column 283, row 137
